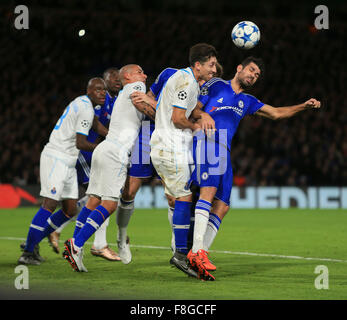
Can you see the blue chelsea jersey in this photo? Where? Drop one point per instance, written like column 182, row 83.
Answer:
column 104, row 115
column 159, row 83
column 227, row 107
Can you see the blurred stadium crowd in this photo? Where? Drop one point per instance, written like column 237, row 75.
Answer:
column 47, row 66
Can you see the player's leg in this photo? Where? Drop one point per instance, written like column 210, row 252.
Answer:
column 170, row 212
column 124, row 212
column 218, row 211
column 174, row 176
column 107, row 178
column 74, row 246
column 198, row 257
column 35, row 234
column 57, row 181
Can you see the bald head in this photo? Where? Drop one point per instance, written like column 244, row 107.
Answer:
column 96, row 91
column 131, row 73
column 95, row 81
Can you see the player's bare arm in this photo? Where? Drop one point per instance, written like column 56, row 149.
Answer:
column 83, row 144
column 278, row 113
column 143, row 107
column 99, row 127
column 147, row 98
column 203, row 119
column 181, row 122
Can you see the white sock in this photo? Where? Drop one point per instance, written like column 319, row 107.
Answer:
column 202, row 210
column 100, row 236
column 124, row 212
column 211, row 230
column 170, row 212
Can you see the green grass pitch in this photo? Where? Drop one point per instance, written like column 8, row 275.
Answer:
column 259, row 254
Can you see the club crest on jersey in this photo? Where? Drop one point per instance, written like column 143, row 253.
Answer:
column 204, row 91
column 204, row 176
column 138, row 88
column 241, row 104
column 182, row 95
column 53, row 190
column 85, row 123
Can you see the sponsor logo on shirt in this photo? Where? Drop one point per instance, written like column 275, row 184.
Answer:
column 237, row 110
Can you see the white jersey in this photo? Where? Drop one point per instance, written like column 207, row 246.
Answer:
column 77, row 118
column 180, row 91
column 125, row 119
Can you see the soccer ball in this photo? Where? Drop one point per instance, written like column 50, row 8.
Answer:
column 245, row 35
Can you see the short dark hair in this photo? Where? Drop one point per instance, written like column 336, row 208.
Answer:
column 258, row 61
column 110, row 70
column 201, row 52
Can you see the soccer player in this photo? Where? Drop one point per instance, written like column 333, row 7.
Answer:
column 140, row 171
column 100, row 124
column 109, row 164
column 99, row 128
column 172, row 138
column 57, row 167
column 141, row 168
column 227, row 104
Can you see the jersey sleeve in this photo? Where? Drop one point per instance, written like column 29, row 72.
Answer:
column 182, row 88
column 85, row 120
column 204, row 94
column 159, row 83
column 97, row 110
column 136, row 86
column 254, row 105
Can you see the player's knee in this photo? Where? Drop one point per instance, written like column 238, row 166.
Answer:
column 170, row 201
column 129, row 194
column 224, row 211
column 109, row 205
column 69, row 207
column 49, row 204
column 93, row 202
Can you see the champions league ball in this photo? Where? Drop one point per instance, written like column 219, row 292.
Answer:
column 245, row 35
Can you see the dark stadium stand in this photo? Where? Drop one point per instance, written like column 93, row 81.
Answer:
column 43, row 68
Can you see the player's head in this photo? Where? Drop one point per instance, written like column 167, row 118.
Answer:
column 112, row 80
column 132, row 73
column 203, row 59
column 96, row 90
column 249, row 71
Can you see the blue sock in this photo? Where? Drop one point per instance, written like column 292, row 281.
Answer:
column 81, row 220
column 191, row 228
column 54, row 222
column 181, row 224
column 94, row 221
column 36, row 229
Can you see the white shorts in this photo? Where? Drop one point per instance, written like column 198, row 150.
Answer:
column 174, row 168
column 108, row 171
column 58, row 175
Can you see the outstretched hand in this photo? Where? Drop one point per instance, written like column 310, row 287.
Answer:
column 312, row 103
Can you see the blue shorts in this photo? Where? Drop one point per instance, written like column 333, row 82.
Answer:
column 140, row 162
column 212, row 168
column 83, row 167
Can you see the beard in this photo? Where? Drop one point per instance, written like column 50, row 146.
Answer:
column 244, row 84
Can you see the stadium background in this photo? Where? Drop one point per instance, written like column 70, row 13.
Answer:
column 47, row 66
